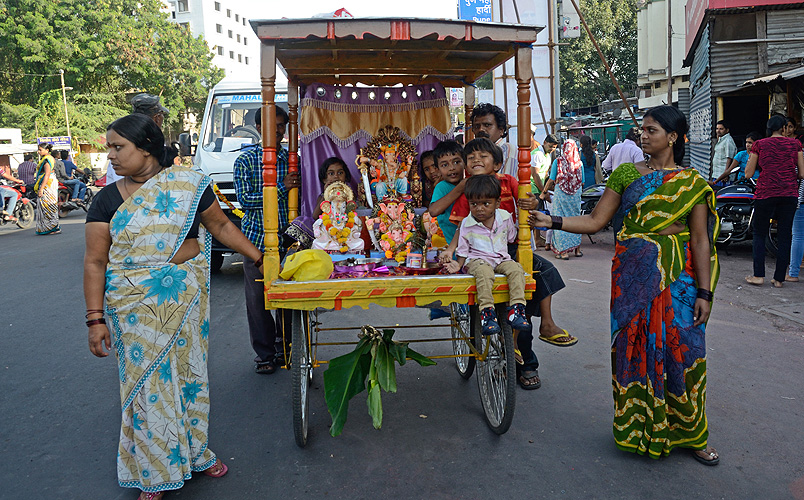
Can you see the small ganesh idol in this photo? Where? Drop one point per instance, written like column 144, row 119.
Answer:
column 338, row 228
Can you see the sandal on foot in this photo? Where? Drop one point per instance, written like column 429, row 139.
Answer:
column 777, row 284
column 562, row 256
column 578, row 253
column 710, row 458
column 518, row 357
column 548, row 248
column 753, row 280
column 151, row 496
column 554, row 339
column 792, row 279
column 218, row 469
column 529, row 380
column 265, row 367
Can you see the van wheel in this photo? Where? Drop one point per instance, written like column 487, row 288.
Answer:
column 216, row 262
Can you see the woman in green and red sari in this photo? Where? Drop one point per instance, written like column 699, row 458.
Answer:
column 664, row 273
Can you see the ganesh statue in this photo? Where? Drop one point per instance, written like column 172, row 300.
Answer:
column 388, row 167
column 338, row 228
column 393, row 229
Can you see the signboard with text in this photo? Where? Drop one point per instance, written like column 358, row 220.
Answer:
column 475, row 10
column 59, row 141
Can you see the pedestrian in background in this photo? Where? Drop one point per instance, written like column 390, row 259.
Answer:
column 739, row 162
column 627, row 151
column 589, row 161
column 725, row 149
column 797, row 245
column 27, row 171
column 566, row 174
column 780, row 163
column 47, row 190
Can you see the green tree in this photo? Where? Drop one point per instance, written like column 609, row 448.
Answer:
column 108, row 49
column 584, row 80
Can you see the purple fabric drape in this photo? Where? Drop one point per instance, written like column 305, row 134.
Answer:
column 316, row 148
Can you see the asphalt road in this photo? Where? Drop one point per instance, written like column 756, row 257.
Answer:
column 59, row 405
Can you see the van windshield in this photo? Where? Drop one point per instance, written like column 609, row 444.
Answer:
column 230, row 122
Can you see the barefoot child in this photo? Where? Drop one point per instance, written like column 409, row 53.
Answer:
column 483, row 246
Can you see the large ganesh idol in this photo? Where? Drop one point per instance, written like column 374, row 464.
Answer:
column 338, row 228
column 388, row 167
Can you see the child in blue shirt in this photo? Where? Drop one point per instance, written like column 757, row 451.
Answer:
column 450, row 159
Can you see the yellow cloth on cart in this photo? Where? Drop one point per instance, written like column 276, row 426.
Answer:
column 307, row 265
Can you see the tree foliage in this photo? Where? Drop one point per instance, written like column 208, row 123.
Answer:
column 584, row 80
column 107, row 49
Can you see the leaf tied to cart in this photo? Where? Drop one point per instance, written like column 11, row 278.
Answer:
column 370, row 366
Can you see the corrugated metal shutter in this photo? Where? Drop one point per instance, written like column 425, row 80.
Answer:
column 700, row 118
column 684, row 107
column 784, row 24
column 732, row 65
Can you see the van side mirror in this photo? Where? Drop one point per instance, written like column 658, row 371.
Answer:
column 186, row 146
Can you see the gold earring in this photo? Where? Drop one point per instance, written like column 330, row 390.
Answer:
column 671, row 144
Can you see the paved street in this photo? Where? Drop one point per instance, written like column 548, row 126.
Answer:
column 59, row 405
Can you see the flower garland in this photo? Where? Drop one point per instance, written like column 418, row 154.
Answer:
column 397, row 251
column 340, row 235
column 228, row 203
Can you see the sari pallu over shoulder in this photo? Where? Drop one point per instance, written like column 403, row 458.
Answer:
column 160, row 324
column 646, row 263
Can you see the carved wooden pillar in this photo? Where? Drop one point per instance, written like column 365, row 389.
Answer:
column 524, row 73
column 293, row 146
column 270, row 203
column 468, row 106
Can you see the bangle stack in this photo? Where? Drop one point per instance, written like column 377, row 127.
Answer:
column 93, row 311
column 558, row 222
column 705, row 294
column 98, row 321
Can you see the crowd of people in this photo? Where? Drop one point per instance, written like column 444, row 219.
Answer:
column 146, row 268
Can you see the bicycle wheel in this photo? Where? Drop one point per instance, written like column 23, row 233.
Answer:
column 496, row 374
column 300, row 373
column 461, row 337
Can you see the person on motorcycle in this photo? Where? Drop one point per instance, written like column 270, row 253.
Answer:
column 71, row 181
column 7, row 210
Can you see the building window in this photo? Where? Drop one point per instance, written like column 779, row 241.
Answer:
column 237, row 18
column 245, row 40
column 218, row 6
column 238, row 38
column 239, row 57
column 219, row 28
column 244, row 21
column 230, row 33
column 228, row 12
column 220, row 50
column 246, row 59
column 231, row 54
column 181, row 5
column 185, row 26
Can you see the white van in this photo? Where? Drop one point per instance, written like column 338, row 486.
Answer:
column 227, row 127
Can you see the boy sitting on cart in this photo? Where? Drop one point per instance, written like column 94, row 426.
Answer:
column 483, row 245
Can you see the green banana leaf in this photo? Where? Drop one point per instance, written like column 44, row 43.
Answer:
column 375, row 403
column 422, row 360
column 344, row 379
column 386, row 368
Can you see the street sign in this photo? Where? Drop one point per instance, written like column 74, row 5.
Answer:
column 475, row 10
column 59, row 142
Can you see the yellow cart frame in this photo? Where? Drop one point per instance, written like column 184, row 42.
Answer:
column 377, row 52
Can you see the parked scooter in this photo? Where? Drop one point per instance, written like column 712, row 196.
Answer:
column 735, row 207
column 24, row 211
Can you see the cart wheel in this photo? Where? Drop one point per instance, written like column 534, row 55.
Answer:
column 301, row 370
column 496, row 377
column 461, row 336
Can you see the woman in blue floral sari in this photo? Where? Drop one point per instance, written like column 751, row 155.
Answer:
column 148, row 259
column 664, row 273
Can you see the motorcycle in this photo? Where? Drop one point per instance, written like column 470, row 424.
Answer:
column 735, row 208
column 25, row 209
column 66, row 205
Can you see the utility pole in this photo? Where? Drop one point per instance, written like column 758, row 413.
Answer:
column 64, row 98
column 669, row 54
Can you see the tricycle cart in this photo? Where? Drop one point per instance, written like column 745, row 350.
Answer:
column 379, row 51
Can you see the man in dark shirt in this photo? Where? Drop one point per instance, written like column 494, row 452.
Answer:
column 70, row 169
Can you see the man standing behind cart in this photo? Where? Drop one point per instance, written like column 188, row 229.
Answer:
column 248, row 186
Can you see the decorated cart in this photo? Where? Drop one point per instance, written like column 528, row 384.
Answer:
column 378, row 132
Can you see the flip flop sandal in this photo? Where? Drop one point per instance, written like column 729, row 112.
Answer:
column 265, row 368
column 532, row 375
column 752, row 280
column 713, row 459
column 219, row 472
column 578, row 253
column 552, row 340
column 518, row 357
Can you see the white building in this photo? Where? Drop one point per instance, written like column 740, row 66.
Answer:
column 226, row 29
column 652, row 29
